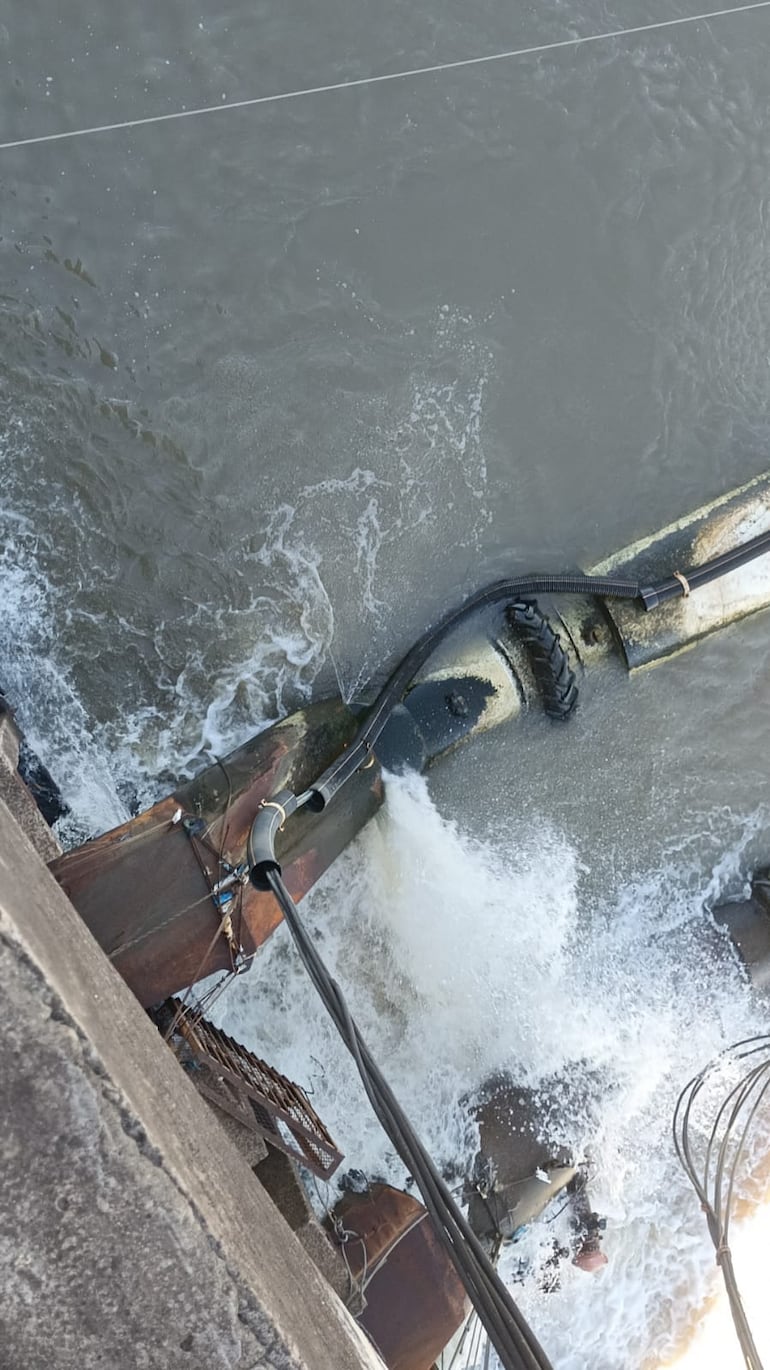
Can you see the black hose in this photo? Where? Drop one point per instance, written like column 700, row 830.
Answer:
column 508, row 1330
column 703, row 575
column 516, row 588
column 260, row 846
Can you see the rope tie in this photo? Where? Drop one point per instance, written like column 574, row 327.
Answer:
column 271, row 804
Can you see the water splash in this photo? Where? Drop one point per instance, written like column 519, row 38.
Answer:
column 35, row 678
column 462, row 958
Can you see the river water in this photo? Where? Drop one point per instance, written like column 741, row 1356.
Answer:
column 277, row 386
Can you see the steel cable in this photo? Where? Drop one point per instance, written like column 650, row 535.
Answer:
column 714, row 1175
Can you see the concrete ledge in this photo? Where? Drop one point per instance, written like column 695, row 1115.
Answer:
column 14, row 792
column 9, row 737
column 279, row 1176
column 132, row 1233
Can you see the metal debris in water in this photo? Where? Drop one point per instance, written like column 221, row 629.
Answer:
column 253, row 1093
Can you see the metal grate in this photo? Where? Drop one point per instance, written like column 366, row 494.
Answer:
column 253, row 1092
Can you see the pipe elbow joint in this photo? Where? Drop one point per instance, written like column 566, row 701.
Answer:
column 268, row 822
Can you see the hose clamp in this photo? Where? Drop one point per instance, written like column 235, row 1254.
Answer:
column 271, row 804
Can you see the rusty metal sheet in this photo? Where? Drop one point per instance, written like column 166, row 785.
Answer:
column 141, row 890
column 415, row 1301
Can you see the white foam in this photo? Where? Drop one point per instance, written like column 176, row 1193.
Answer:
column 251, row 654
column 40, row 687
column 461, row 958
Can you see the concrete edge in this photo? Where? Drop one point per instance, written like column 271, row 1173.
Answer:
column 169, row 1124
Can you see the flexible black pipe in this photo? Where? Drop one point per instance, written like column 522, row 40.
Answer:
column 518, row 587
column 515, row 588
column 260, row 846
column 703, row 575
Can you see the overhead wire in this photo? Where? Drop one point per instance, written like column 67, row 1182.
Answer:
column 433, row 69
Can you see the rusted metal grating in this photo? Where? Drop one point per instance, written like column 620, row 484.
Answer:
column 258, row 1096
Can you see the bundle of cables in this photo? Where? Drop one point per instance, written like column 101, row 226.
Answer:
column 507, row 1329
column 711, row 1156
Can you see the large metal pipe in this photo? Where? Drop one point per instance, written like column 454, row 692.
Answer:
column 146, row 890
column 711, row 531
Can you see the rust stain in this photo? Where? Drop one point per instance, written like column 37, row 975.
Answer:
column 141, row 890
column 415, row 1300
column 253, row 1092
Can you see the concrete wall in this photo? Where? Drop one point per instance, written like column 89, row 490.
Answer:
column 14, row 792
column 132, row 1233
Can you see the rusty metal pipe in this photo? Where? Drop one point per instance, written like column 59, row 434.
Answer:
column 143, row 891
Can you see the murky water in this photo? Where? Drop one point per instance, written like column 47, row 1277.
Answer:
column 278, row 385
